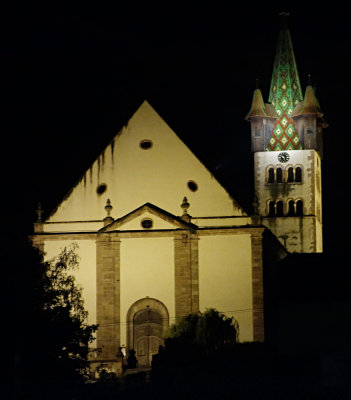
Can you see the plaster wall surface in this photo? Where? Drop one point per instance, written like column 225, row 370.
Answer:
column 225, row 278
column 147, row 270
column 78, row 226
column 133, row 176
column 85, row 274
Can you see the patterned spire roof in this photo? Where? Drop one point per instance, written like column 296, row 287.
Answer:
column 285, row 93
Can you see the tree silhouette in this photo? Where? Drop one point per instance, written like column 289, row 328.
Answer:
column 201, row 335
column 49, row 335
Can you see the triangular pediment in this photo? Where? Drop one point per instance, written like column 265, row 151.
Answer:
column 160, row 220
column 146, row 162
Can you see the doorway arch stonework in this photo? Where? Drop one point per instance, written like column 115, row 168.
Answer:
column 147, row 322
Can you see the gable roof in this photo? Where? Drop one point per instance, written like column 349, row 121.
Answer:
column 130, row 175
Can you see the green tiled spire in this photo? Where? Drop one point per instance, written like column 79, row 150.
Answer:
column 284, row 94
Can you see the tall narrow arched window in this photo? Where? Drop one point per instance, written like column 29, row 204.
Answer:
column 270, row 175
column 298, row 174
column 271, row 209
column 279, row 209
column 290, row 174
column 299, row 208
column 291, row 208
column 279, row 175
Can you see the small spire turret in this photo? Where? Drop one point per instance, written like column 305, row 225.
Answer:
column 309, row 121
column 262, row 117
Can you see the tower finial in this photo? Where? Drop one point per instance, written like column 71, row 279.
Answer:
column 309, row 79
column 283, row 15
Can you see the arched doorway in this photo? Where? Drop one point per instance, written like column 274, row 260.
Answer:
column 148, row 334
column 147, row 322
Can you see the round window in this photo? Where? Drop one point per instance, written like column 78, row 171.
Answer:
column 146, row 144
column 192, row 186
column 146, row 223
column 101, row 189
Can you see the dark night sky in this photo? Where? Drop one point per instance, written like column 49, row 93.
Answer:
column 73, row 76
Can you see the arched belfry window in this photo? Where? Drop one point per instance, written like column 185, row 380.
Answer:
column 291, row 208
column 298, row 174
column 290, row 174
column 279, row 175
column 279, row 209
column 299, row 208
column 270, row 175
column 271, row 209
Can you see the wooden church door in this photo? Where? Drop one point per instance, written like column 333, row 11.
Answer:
column 148, row 333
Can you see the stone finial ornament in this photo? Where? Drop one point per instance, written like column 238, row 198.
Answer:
column 185, row 205
column 39, row 211
column 108, row 208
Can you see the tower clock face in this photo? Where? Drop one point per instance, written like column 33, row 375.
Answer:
column 283, row 157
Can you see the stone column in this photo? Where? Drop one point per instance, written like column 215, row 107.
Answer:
column 186, row 273
column 257, row 286
column 108, row 294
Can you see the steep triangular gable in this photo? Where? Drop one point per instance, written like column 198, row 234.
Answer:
column 161, row 219
column 145, row 163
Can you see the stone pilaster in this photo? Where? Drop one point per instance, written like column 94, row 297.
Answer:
column 108, row 295
column 186, row 273
column 257, row 287
column 38, row 243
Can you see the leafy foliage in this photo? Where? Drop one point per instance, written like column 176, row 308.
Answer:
column 48, row 333
column 60, row 308
column 202, row 334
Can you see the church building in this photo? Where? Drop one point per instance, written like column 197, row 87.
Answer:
column 159, row 237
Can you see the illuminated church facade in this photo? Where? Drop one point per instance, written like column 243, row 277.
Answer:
column 159, row 237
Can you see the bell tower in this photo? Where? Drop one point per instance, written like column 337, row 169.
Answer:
column 286, row 139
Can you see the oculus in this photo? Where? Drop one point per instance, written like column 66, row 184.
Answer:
column 283, row 157
column 147, row 223
column 192, row 186
column 145, row 144
column 101, row 189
